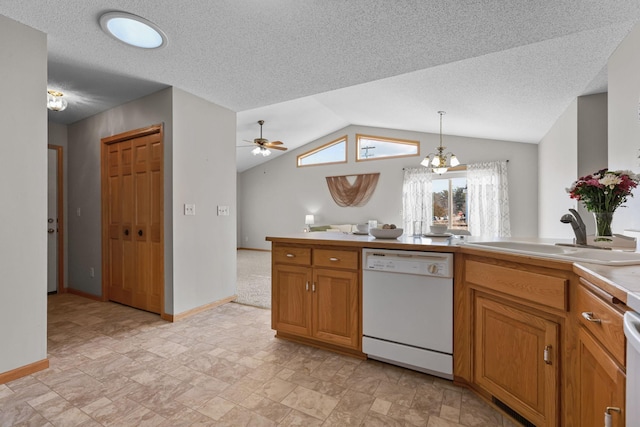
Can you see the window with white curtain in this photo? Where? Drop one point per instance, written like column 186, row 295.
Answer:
column 417, row 199
column 488, row 199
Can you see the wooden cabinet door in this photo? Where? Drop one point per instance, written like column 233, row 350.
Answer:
column 336, row 307
column 291, row 299
column 132, row 199
column 601, row 383
column 147, row 206
column 516, row 359
column 120, row 270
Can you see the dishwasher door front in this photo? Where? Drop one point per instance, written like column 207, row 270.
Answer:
column 632, row 332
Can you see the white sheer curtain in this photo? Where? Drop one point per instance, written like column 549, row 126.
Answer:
column 488, row 199
column 417, row 200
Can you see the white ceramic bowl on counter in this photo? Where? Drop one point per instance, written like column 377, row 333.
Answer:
column 386, row 233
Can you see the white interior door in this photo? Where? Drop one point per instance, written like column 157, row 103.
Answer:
column 52, row 222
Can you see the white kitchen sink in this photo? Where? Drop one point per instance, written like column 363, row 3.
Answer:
column 574, row 254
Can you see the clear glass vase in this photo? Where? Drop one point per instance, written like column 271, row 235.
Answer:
column 603, row 226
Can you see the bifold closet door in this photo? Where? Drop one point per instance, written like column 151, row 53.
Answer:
column 134, row 264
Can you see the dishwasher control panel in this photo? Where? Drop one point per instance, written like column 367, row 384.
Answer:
column 408, row 262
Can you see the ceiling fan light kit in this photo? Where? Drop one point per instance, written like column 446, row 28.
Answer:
column 263, row 146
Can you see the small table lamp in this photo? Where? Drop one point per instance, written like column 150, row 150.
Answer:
column 308, row 221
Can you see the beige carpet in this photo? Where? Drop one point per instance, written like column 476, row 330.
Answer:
column 254, row 278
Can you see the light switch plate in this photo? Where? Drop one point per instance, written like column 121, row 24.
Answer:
column 189, row 209
column 223, row 210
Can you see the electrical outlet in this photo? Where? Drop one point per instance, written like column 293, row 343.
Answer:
column 189, row 209
column 78, row 212
column 223, row 210
column 92, row 272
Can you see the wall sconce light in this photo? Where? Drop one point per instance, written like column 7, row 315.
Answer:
column 55, row 101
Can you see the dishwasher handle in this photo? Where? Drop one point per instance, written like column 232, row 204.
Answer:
column 632, row 329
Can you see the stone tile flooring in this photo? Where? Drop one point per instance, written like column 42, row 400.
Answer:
column 113, row 365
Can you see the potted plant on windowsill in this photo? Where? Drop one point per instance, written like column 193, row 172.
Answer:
column 602, row 193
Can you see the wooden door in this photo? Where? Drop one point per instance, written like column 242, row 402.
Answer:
column 336, row 307
column 133, row 270
column 516, row 359
column 601, row 384
column 291, row 299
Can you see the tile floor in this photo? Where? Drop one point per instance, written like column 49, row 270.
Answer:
column 113, row 365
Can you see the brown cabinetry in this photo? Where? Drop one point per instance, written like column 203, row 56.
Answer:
column 599, row 368
column 515, row 315
column 316, row 296
column 515, row 358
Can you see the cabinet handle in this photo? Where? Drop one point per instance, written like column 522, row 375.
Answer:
column 291, row 256
column 546, row 355
column 608, row 421
column 307, row 286
column 588, row 316
column 313, row 287
column 333, row 259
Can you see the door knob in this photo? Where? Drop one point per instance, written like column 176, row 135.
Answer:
column 126, row 231
column 50, row 220
column 51, row 231
column 140, row 233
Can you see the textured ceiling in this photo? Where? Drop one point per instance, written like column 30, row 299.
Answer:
column 503, row 70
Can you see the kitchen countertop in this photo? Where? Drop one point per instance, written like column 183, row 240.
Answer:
column 623, row 282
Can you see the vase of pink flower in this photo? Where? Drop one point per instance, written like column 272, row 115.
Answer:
column 602, row 193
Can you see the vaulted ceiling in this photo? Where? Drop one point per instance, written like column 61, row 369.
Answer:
column 501, row 70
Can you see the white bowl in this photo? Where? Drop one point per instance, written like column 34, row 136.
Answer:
column 438, row 229
column 386, row 233
column 362, row 228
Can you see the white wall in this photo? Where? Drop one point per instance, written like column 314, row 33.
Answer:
column 275, row 196
column 204, row 174
column 624, row 121
column 592, row 144
column 575, row 146
column 23, row 190
column 84, row 190
column 57, row 135
column 557, row 169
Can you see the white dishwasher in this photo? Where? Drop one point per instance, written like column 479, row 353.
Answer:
column 632, row 332
column 407, row 309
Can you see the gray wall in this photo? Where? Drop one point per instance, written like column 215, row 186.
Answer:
column 204, row 174
column 23, row 190
column 575, row 146
column 85, row 235
column 199, row 168
column 624, row 122
column 273, row 198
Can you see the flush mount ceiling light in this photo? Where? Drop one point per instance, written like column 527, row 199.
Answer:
column 55, row 101
column 133, row 30
column 439, row 161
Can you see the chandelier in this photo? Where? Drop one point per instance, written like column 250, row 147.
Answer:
column 55, row 101
column 440, row 162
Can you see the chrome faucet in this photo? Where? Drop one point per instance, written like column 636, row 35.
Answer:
column 576, row 222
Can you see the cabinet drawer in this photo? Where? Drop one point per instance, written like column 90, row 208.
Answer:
column 335, row 258
column 603, row 321
column 291, row 255
column 534, row 287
